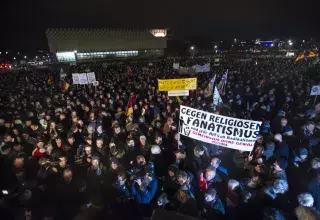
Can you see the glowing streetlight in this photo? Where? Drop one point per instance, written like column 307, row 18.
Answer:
column 14, row 58
column 36, row 57
column 6, row 52
column 303, row 41
column 290, row 43
column 25, row 57
column 215, row 46
column 192, row 47
column 272, row 45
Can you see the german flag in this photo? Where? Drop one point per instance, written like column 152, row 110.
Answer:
column 300, row 57
column 312, row 54
column 130, row 105
column 65, row 86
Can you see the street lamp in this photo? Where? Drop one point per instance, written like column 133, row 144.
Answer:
column 215, row 46
column 6, row 52
column 25, row 57
column 192, row 47
column 14, row 58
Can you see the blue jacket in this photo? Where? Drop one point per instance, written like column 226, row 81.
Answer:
column 214, row 207
column 145, row 196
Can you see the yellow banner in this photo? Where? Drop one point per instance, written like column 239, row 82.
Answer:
column 177, row 84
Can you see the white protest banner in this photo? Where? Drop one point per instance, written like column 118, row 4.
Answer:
column 186, row 70
column 178, row 93
column 75, row 78
column 235, row 133
column 315, row 90
column 176, row 66
column 91, row 77
column 83, row 79
column 201, row 69
column 216, row 97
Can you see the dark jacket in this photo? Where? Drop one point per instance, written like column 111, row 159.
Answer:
column 314, row 189
column 214, row 208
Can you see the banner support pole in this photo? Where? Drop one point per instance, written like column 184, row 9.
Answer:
column 315, row 99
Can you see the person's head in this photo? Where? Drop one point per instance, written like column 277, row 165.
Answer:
column 210, row 173
column 130, row 142
column 280, row 186
column 142, row 140
column 99, row 143
column 198, row 150
column 310, row 126
column 280, row 164
column 158, row 139
column 306, row 213
column 62, row 116
column 90, row 130
column 177, row 137
column 305, row 199
column 18, row 162
column 215, row 162
column 183, row 196
column 49, row 148
column 7, row 138
column 88, row 150
column 162, row 200
column 95, row 162
column 315, row 163
column 63, row 162
column 116, row 129
column 233, row 184
column 210, row 195
column 272, row 214
column 172, row 170
column 141, row 160
column 52, row 125
column 278, row 137
column 155, row 149
column 70, row 139
column 284, row 122
column 114, row 163
column 67, row 175
column 169, row 121
column 182, row 177
column 287, row 131
column 303, row 153
column 17, row 147
column 58, row 141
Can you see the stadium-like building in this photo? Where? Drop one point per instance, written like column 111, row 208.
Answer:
column 86, row 44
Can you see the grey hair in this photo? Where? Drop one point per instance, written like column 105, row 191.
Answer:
column 305, row 199
column 281, row 186
column 232, row 184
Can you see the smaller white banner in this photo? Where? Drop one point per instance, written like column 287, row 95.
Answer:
column 75, row 78
column 91, row 77
column 176, row 66
column 315, row 90
column 202, row 69
column 83, row 79
column 178, row 93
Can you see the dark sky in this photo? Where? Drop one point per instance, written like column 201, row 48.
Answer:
column 24, row 22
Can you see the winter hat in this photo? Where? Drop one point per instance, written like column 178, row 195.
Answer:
column 283, row 163
column 287, row 129
column 173, row 168
column 303, row 151
column 155, row 149
column 114, row 160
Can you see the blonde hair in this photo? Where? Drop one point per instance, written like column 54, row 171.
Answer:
column 306, row 213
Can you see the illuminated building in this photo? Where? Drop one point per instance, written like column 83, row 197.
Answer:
column 87, row 44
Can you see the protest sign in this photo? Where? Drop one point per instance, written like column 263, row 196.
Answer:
column 75, row 78
column 91, row 77
column 176, row 66
column 315, row 90
column 178, row 93
column 186, row 70
column 177, row 84
column 235, row 133
column 201, row 69
column 83, row 79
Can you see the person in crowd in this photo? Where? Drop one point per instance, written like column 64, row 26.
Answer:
column 306, row 200
column 213, row 207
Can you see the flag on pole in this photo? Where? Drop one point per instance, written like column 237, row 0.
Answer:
column 178, row 100
column 216, row 97
column 300, row 57
column 130, row 105
column 223, row 82
column 209, row 90
column 65, row 86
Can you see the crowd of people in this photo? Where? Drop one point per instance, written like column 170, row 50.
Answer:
column 76, row 154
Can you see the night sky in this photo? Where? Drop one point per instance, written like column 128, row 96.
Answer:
column 24, row 22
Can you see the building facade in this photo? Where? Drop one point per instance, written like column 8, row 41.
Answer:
column 86, row 44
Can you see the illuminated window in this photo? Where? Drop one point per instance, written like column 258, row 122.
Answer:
column 66, row 57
